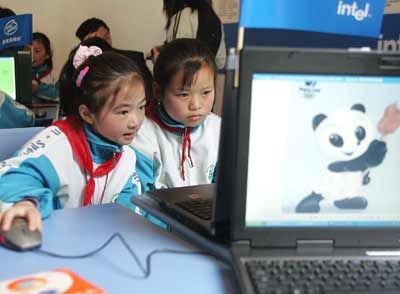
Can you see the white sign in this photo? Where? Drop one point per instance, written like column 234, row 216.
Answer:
column 227, row 10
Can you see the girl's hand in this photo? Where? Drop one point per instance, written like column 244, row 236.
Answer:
column 154, row 52
column 26, row 209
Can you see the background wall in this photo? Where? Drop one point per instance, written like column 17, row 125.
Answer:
column 134, row 24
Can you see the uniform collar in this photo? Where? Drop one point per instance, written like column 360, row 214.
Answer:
column 100, row 147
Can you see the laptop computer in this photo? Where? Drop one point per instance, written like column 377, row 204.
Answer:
column 315, row 203
column 203, row 208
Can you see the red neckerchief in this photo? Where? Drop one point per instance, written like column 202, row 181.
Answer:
column 72, row 127
column 42, row 75
column 152, row 113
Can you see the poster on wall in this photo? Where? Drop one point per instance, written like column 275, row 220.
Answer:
column 227, row 10
column 358, row 18
column 15, row 31
column 392, row 7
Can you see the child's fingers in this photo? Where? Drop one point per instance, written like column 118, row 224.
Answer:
column 34, row 220
column 7, row 220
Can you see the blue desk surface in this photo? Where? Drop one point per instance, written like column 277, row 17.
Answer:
column 80, row 230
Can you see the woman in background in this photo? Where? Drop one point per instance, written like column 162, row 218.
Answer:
column 195, row 19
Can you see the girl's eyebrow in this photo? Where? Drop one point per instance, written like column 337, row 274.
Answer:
column 125, row 104
column 144, row 100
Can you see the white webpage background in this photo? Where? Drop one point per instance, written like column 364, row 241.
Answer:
column 285, row 163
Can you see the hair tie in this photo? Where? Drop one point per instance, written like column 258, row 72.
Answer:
column 83, row 53
column 81, row 75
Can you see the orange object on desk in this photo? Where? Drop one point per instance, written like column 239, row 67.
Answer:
column 55, row 281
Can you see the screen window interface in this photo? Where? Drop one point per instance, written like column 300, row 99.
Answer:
column 324, row 151
column 7, row 76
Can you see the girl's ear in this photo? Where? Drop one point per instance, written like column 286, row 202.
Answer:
column 85, row 114
column 156, row 91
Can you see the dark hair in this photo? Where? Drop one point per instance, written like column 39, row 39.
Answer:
column 106, row 71
column 6, row 12
column 209, row 28
column 171, row 7
column 187, row 54
column 42, row 38
column 90, row 25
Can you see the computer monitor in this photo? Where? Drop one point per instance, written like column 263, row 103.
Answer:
column 16, row 75
column 7, row 73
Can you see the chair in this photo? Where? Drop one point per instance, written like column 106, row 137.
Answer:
column 12, row 139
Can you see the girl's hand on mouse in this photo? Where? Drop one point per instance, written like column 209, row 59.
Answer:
column 26, row 209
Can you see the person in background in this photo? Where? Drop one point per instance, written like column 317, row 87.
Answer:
column 94, row 27
column 180, row 135
column 83, row 160
column 6, row 12
column 195, row 19
column 44, row 84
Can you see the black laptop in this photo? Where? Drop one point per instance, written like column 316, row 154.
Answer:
column 316, row 197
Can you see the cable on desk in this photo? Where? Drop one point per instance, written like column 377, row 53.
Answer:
column 146, row 271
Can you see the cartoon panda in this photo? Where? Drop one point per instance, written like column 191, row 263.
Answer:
column 346, row 140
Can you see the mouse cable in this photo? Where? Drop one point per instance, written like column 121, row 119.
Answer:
column 146, row 270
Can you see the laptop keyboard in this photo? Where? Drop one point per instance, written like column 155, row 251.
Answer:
column 324, row 276
column 201, row 208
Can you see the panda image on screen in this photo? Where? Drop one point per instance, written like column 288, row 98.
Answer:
column 346, row 140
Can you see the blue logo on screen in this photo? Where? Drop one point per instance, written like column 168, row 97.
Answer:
column 309, row 90
column 11, row 27
column 353, row 10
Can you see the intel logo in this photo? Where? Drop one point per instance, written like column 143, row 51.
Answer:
column 391, row 45
column 358, row 13
column 11, row 27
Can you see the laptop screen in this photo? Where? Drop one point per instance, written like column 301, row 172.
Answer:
column 317, row 157
column 7, row 74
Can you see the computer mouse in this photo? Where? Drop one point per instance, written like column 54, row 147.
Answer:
column 19, row 237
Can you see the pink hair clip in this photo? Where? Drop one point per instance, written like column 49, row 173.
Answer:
column 83, row 53
column 81, row 75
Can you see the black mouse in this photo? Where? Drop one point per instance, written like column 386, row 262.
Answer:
column 19, row 237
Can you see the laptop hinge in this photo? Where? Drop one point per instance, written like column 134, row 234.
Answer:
column 241, row 243
column 314, row 245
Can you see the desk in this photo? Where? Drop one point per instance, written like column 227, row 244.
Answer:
column 205, row 242
column 46, row 110
column 80, row 230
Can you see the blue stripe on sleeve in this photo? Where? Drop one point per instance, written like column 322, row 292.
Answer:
column 34, row 178
column 14, row 115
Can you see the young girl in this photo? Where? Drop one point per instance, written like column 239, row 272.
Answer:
column 82, row 160
column 43, row 81
column 180, row 135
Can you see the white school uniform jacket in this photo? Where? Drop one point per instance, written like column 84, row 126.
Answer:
column 46, row 170
column 162, row 143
